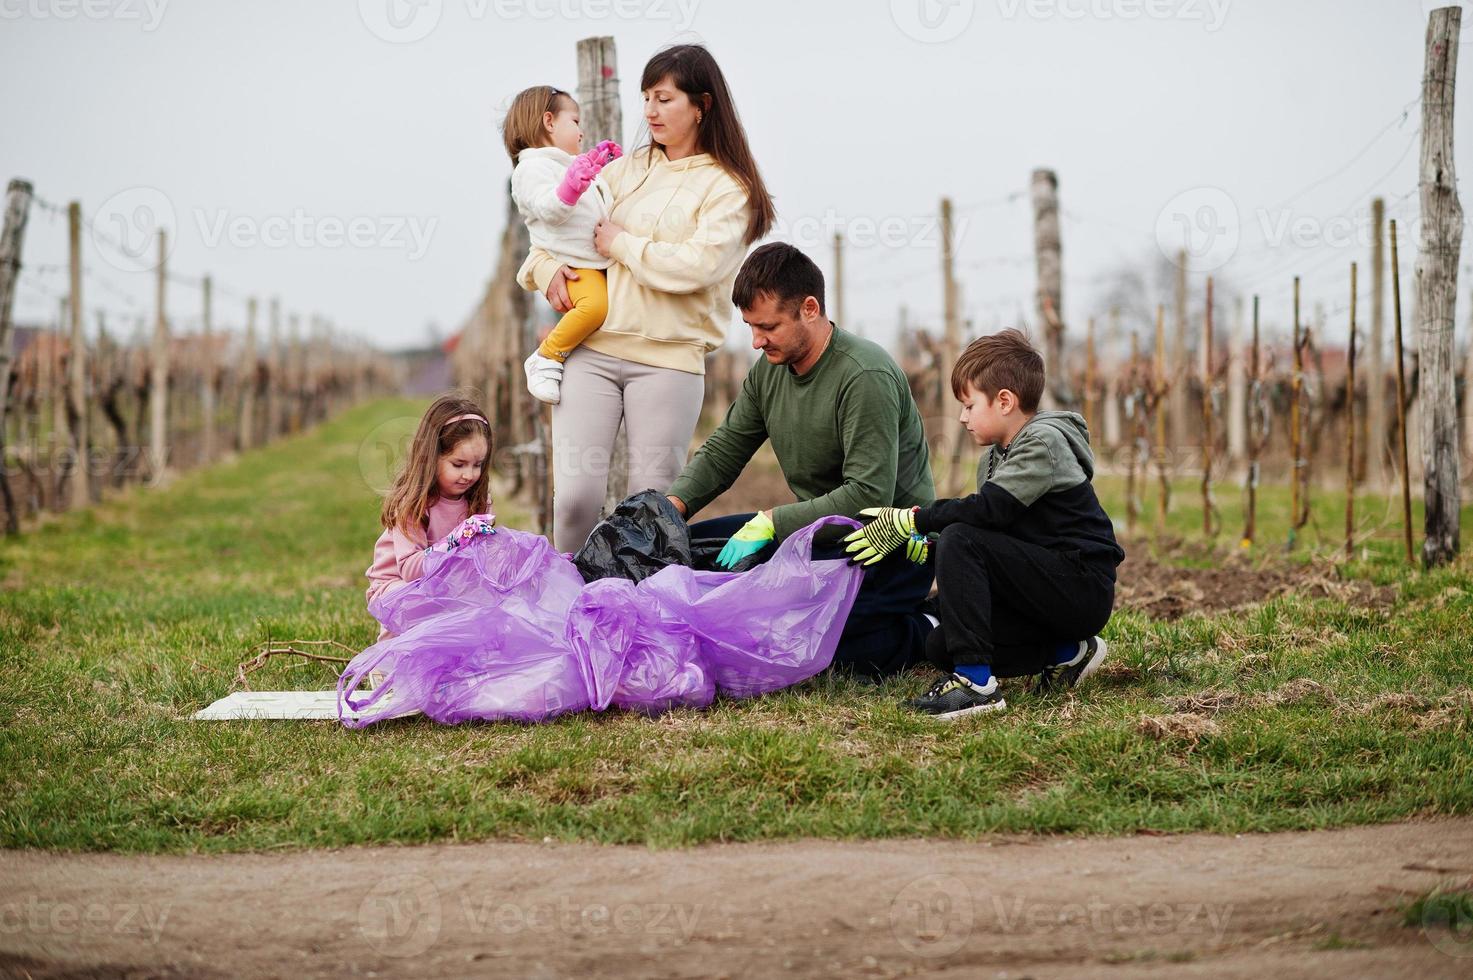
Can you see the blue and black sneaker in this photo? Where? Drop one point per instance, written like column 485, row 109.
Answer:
column 1065, row 675
column 955, row 697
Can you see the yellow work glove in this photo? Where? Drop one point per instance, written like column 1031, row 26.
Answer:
column 890, row 528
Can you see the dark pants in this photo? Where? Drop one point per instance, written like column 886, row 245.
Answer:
column 1010, row 604
column 886, row 631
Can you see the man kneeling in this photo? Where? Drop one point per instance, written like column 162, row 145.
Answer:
column 847, row 435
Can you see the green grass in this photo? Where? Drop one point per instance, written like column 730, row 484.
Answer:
column 117, row 623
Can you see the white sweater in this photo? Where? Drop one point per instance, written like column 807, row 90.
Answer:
column 563, row 231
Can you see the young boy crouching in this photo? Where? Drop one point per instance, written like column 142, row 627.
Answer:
column 1025, row 567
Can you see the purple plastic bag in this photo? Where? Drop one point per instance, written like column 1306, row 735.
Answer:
column 504, row 628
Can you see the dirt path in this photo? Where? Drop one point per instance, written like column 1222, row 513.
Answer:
column 1299, row 904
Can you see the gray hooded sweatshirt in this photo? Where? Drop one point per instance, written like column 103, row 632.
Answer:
column 1037, row 489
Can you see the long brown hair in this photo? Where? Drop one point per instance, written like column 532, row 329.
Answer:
column 692, row 69
column 407, row 504
column 522, row 127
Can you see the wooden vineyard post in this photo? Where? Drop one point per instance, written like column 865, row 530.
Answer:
column 1296, row 451
column 1138, row 432
column 1401, row 401
column 1350, row 461
column 1209, row 527
column 158, row 385
column 1257, row 433
column 77, row 362
column 273, row 374
column 12, row 237
column 1090, row 368
column 1161, row 387
column 1441, row 236
column 1177, row 403
column 207, row 380
column 951, row 346
column 1048, row 257
column 1374, row 448
column 602, row 119
column 245, row 434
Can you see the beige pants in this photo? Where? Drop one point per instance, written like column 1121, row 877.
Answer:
column 659, row 408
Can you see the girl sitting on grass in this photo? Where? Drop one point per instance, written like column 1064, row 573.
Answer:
column 440, row 494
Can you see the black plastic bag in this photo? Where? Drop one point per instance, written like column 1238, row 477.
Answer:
column 644, row 534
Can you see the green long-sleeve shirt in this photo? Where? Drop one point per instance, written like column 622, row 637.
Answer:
column 847, row 435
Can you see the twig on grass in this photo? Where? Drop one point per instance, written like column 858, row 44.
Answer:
column 268, row 651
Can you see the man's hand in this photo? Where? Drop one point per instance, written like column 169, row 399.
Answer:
column 604, row 234
column 889, row 528
column 752, row 538
column 557, row 290
column 679, row 505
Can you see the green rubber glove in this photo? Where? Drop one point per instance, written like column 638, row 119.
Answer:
column 890, row 528
column 752, row 538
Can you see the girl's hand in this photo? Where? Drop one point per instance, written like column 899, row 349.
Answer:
column 557, row 290
column 604, row 234
column 471, row 527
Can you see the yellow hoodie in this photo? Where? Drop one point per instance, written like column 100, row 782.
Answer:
column 670, row 284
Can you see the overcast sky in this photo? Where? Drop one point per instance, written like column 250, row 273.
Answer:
column 344, row 155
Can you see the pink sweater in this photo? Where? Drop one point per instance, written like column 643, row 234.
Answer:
column 399, row 558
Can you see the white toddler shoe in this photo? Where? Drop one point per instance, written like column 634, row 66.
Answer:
column 544, row 378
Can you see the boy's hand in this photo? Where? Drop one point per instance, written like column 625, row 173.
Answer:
column 890, row 528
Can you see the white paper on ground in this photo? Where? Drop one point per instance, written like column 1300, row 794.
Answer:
column 293, row 705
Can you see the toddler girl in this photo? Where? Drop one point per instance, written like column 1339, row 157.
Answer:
column 561, row 199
